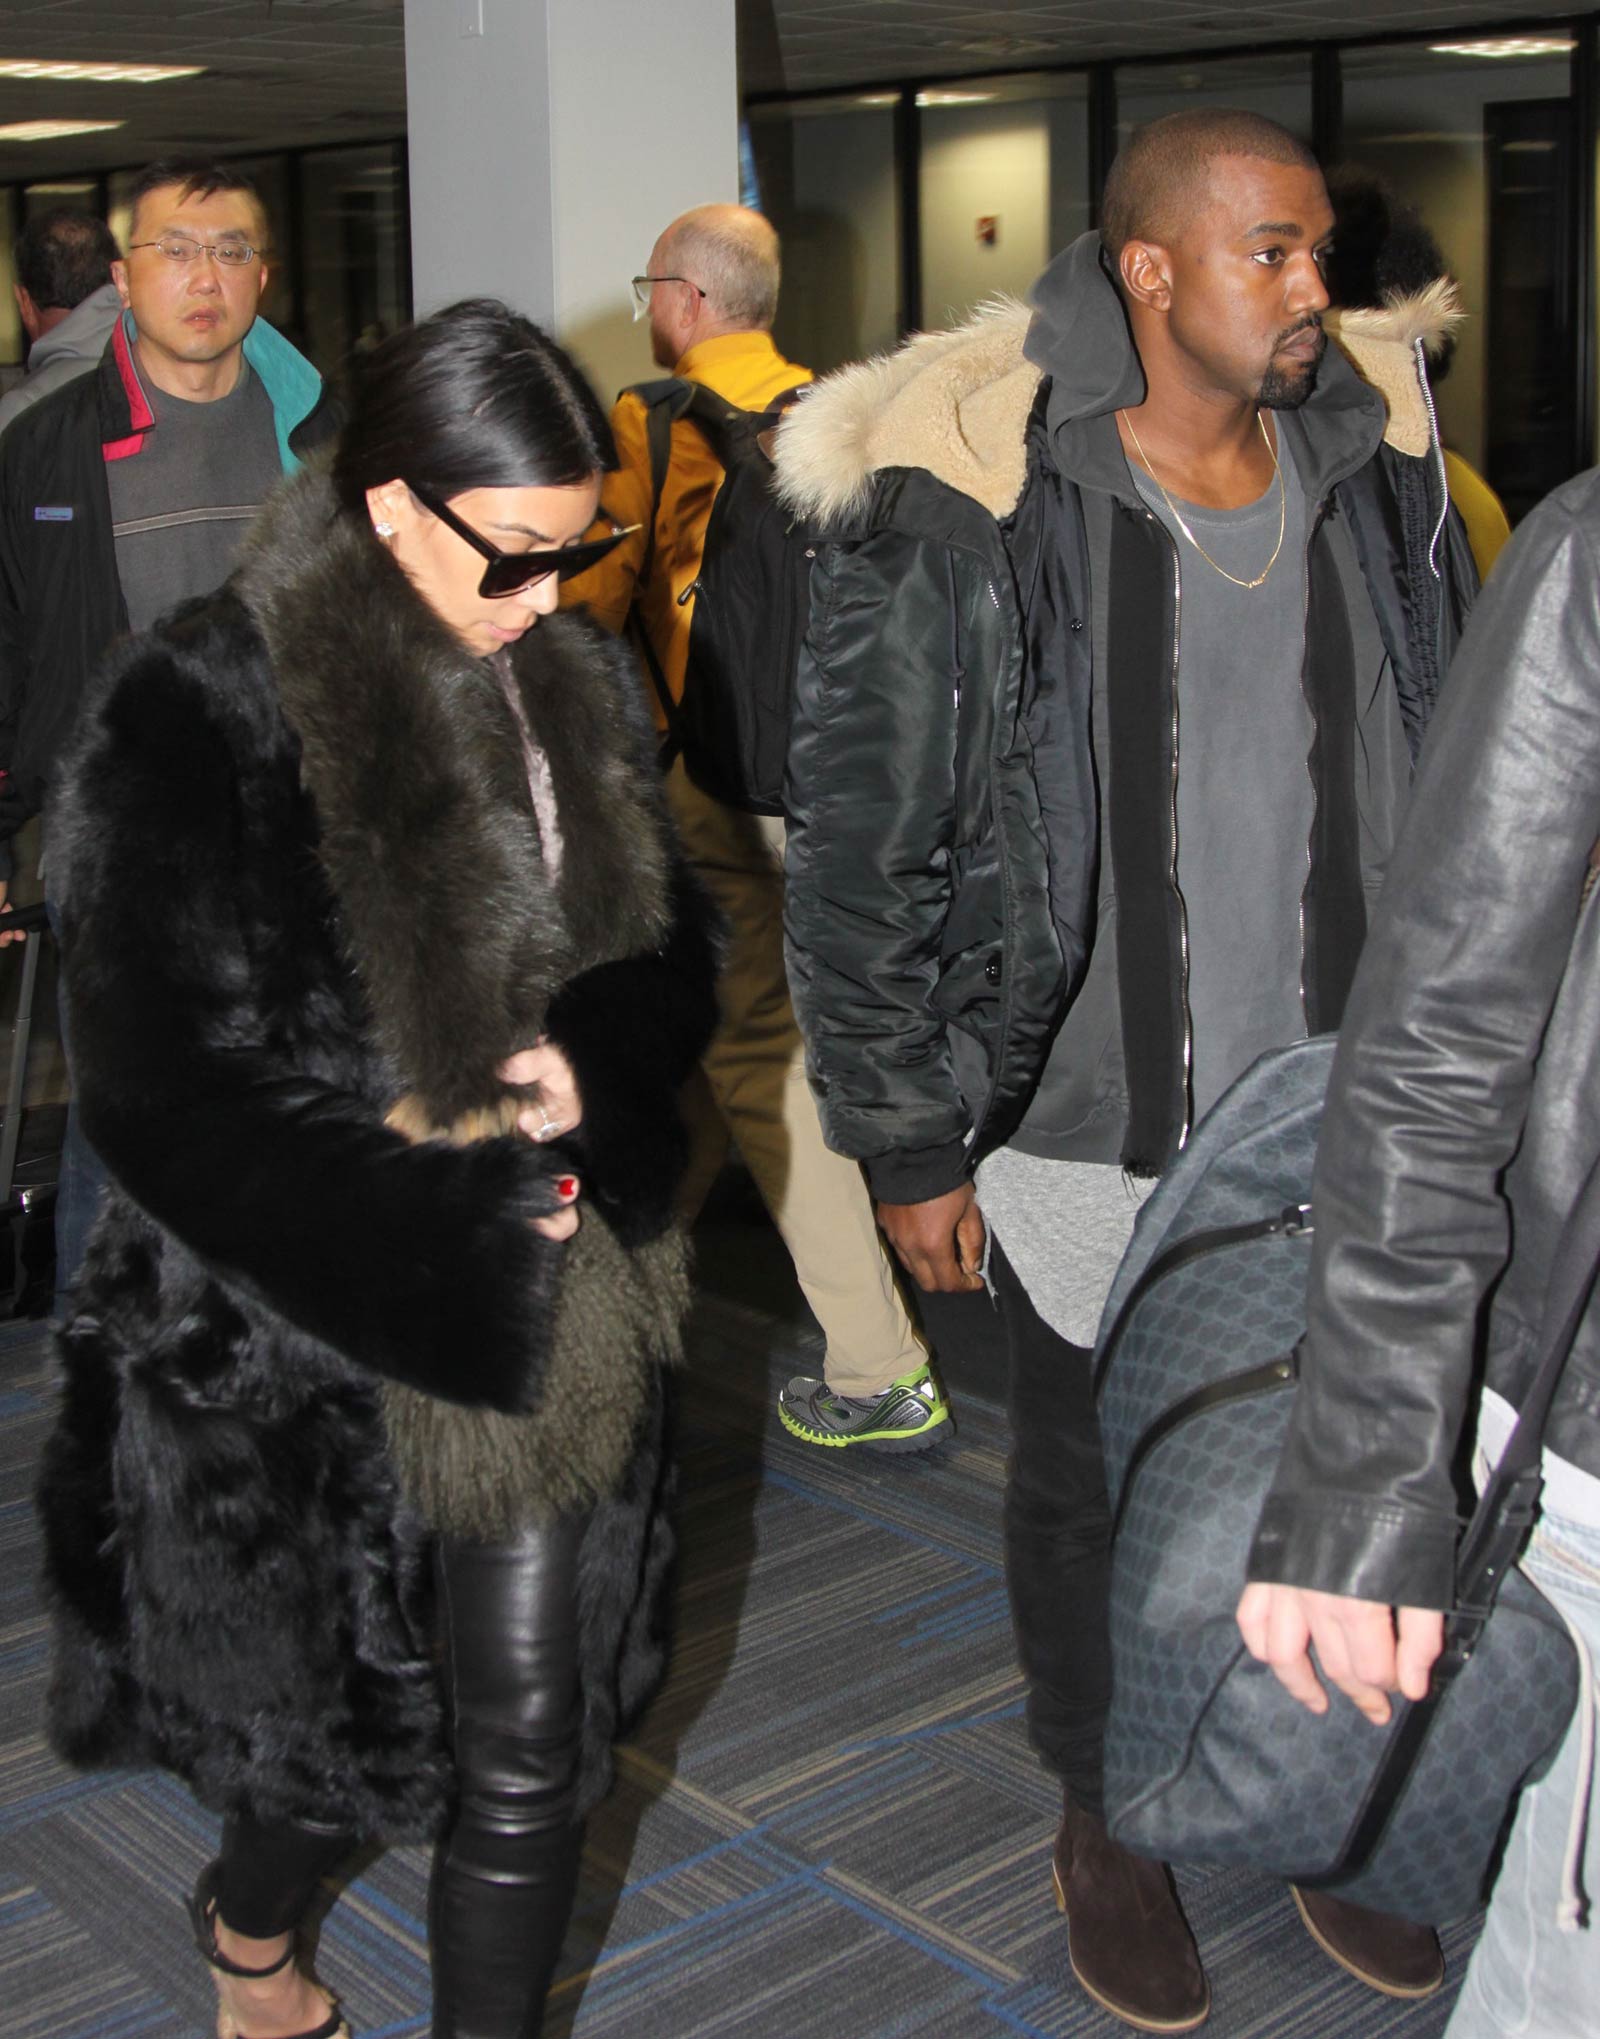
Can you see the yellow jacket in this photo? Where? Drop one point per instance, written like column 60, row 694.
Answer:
column 746, row 369
column 1482, row 511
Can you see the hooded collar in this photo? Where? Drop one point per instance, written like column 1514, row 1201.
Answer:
column 954, row 403
column 957, row 403
column 82, row 334
column 1081, row 338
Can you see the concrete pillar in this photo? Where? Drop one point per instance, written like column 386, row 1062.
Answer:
column 550, row 141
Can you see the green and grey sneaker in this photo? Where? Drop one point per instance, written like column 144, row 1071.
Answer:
column 907, row 1416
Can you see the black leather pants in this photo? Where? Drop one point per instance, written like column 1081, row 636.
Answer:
column 505, row 1874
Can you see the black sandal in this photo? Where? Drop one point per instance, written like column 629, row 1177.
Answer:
column 202, row 1910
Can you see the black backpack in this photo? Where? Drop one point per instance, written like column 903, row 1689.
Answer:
column 751, row 601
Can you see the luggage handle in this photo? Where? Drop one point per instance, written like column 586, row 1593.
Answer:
column 32, row 920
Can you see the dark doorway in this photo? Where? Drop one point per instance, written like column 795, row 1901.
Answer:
column 1530, row 310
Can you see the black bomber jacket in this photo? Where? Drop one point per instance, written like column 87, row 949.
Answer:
column 945, row 818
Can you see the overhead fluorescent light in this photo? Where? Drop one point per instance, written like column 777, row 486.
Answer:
column 877, row 99
column 60, row 190
column 1506, row 46
column 955, row 98
column 54, row 130
column 71, row 73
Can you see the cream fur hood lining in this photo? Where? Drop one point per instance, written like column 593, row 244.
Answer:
column 956, row 403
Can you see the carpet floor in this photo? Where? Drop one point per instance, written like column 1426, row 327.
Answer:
column 829, row 1825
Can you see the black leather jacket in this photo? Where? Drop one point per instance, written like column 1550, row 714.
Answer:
column 947, row 790
column 1464, row 1111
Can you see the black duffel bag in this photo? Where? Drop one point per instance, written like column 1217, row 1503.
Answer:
column 1208, row 1758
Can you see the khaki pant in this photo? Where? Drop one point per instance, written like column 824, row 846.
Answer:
column 759, row 1096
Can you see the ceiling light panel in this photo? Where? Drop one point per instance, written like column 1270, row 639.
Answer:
column 53, row 130
column 1506, row 46
column 66, row 72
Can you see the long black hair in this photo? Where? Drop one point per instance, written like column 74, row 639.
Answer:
column 475, row 396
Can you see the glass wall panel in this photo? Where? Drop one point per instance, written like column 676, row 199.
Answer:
column 270, row 176
column 1004, row 185
column 67, row 194
column 1278, row 87
column 118, row 185
column 354, row 259
column 1482, row 144
column 13, row 342
column 825, row 177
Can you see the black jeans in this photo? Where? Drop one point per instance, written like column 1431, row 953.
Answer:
column 1057, row 1526
column 83, row 1182
column 505, row 1874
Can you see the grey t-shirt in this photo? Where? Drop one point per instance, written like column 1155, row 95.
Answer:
column 1245, row 807
column 182, row 503
column 1245, row 802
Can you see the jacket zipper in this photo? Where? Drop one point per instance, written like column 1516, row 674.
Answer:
column 1172, row 857
column 980, row 1119
column 1436, row 447
column 1305, row 654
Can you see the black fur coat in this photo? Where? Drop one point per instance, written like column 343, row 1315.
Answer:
column 300, row 875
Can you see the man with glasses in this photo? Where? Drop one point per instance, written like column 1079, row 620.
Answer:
column 129, row 490
column 710, row 292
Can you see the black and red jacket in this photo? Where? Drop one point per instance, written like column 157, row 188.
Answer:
column 61, row 602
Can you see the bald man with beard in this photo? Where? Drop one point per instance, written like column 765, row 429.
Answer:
column 710, row 291
column 1123, row 643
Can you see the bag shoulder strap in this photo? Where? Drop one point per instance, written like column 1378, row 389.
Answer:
column 664, row 401
column 1509, row 1502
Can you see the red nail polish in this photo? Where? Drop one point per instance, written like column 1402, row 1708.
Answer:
column 566, row 1187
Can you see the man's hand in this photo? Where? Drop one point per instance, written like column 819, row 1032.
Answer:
column 1356, row 1644
column 939, row 1243
column 7, row 935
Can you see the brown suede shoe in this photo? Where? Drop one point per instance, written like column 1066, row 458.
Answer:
column 1129, row 1943
column 1389, row 1954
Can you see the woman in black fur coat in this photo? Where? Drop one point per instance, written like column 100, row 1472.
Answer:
column 382, row 975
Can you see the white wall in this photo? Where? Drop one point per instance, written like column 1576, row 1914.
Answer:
column 548, row 152
column 979, row 161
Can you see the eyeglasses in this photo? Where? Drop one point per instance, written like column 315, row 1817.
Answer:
column 508, row 573
column 180, row 248
column 641, row 287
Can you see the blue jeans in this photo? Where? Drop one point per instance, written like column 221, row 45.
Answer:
column 1528, row 1979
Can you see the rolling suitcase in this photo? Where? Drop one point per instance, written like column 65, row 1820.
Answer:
column 30, row 1153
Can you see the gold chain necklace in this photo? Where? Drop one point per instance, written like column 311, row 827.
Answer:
column 1184, row 528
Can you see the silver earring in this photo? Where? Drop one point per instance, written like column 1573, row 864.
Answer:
column 384, row 530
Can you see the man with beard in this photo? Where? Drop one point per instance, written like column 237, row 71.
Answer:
column 1120, row 656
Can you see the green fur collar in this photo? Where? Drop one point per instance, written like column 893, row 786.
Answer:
column 428, row 833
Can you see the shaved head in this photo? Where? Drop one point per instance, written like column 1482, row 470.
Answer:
column 731, row 253
column 1160, row 179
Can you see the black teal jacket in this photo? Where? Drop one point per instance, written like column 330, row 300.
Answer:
column 61, row 602
column 1464, row 1109
column 985, row 709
